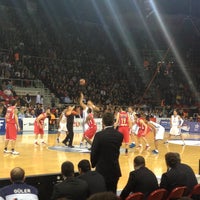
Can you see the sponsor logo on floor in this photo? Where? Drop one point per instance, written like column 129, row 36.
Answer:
column 191, row 142
column 76, row 149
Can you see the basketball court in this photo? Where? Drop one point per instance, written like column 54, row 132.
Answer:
column 47, row 159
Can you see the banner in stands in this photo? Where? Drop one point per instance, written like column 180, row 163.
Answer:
column 191, row 127
column 187, row 127
column 28, row 124
column 165, row 122
column 2, row 125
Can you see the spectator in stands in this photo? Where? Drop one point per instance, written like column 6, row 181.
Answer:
column 105, row 152
column 18, row 189
column 96, row 182
column 42, row 100
column 140, row 180
column 27, row 114
column 32, row 114
column 28, row 99
column 178, row 174
column 53, row 100
column 38, row 98
column 3, row 108
column 39, row 109
column 103, row 196
column 72, row 187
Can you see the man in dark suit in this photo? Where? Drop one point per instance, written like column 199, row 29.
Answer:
column 178, row 174
column 95, row 181
column 72, row 187
column 105, row 152
column 140, row 180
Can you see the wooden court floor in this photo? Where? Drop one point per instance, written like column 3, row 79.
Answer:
column 40, row 160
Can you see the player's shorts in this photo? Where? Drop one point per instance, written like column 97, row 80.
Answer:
column 62, row 127
column 124, row 130
column 175, row 131
column 141, row 133
column 134, row 129
column 90, row 132
column 160, row 133
column 11, row 131
column 38, row 129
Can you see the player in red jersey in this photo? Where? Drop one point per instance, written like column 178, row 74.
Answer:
column 39, row 126
column 92, row 127
column 123, row 122
column 142, row 132
column 12, row 126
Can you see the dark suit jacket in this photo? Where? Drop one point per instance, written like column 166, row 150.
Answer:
column 105, row 153
column 181, row 175
column 95, row 181
column 71, row 188
column 140, row 180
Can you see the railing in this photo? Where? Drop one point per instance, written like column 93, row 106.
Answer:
column 26, row 83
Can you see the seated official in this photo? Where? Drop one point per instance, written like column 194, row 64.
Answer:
column 72, row 187
column 178, row 174
column 18, row 189
column 96, row 182
column 140, row 180
column 104, row 196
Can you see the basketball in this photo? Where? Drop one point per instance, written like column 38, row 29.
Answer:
column 82, row 81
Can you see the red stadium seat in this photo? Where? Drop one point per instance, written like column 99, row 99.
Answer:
column 177, row 193
column 159, row 194
column 135, row 196
column 195, row 191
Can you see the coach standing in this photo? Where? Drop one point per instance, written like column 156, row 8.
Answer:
column 105, row 152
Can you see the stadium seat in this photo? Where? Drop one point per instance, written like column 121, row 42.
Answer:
column 195, row 193
column 135, row 196
column 177, row 193
column 159, row 194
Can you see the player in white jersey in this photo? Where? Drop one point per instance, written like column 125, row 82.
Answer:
column 85, row 107
column 176, row 122
column 158, row 131
column 62, row 124
column 134, row 127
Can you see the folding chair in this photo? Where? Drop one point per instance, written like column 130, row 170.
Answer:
column 195, row 193
column 159, row 194
column 177, row 193
column 135, row 196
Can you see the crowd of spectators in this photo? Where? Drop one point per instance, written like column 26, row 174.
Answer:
column 34, row 51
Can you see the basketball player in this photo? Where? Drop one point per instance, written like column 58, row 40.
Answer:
column 142, row 132
column 12, row 126
column 124, row 124
column 91, row 130
column 158, row 131
column 134, row 127
column 176, row 122
column 39, row 126
column 62, row 124
column 85, row 109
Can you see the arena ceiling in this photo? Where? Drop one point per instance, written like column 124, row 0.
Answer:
column 85, row 9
